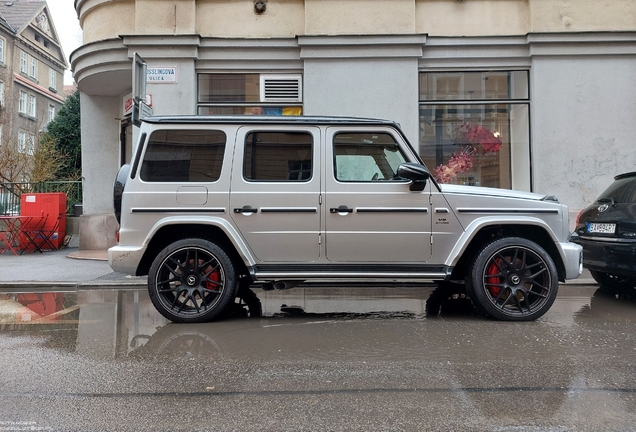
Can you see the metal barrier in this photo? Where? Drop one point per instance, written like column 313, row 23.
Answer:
column 11, row 193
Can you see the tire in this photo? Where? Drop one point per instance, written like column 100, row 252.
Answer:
column 512, row 279
column 613, row 284
column 185, row 292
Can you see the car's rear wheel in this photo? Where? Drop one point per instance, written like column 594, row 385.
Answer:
column 512, row 279
column 192, row 280
column 613, row 284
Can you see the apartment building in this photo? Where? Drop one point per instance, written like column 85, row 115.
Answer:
column 32, row 66
column 548, row 85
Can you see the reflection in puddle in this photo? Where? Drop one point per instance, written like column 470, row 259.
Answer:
column 102, row 323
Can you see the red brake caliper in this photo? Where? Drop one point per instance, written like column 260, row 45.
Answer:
column 493, row 269
column 214, row 277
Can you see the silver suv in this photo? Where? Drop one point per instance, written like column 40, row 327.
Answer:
column 210, row 205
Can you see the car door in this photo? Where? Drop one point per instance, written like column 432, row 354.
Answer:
column 371, row 215
column 275, row 191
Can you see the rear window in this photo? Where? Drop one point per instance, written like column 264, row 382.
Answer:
column 622, row 191
column 184, row 156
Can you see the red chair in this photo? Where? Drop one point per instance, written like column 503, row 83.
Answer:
column 32, row 232
column 50, row 234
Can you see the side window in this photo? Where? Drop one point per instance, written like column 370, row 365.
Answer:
column 184, row 156
column 278, row 156
column 366, row 157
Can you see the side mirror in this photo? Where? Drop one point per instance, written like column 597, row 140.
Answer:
column 419, row 174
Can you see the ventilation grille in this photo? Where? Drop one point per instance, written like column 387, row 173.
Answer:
column 281, row 88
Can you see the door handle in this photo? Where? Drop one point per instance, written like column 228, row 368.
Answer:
column 341, row 209
column 246, row 209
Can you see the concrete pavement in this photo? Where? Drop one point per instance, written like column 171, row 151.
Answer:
column 66, row 268
column 71, row 268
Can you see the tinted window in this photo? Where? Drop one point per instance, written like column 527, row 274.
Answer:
column 278, row 156
column 366, row 157
column 622, row 191
column 184, row 156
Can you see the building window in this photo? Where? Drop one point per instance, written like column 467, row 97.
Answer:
column 32, row 106
column 52, row 83
column 51, row 112
column 250, row 94
column 22, row 142
column 474, row 128
column 22, row 105
column 33, row 71
column 1, row 50
column 31, row 145
column 23, row 62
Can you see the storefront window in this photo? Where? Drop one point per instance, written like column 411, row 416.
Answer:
column 474, row 128
column 239, row 94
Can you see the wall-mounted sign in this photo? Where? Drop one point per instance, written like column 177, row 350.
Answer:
column 129, row 102
column 161, row 75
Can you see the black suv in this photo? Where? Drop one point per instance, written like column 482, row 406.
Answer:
column 607, row 231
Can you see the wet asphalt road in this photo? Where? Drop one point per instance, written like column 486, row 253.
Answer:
column 339, row 359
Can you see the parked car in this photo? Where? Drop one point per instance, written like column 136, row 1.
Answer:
column 607, row 231
column 210, row 205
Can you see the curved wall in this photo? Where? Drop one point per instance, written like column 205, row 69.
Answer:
column 106, row 19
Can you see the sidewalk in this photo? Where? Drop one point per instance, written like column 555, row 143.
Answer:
column 70, row 268
column 67, row 268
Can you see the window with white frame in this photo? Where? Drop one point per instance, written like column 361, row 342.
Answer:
column 250, row 94
column 475, row 127
column 1, row 50
column 51, row 112
column 31, row 145
column 22, row 142
column 32, row 105
column 23, row 62
column 22, row 105
column 33, row 70
column 52, row 84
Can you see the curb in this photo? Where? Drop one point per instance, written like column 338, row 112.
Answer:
column 142, row 283
column 72, row 286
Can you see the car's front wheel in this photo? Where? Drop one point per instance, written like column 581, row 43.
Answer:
column 512, row 279
column 613, row 284
column 192, row 280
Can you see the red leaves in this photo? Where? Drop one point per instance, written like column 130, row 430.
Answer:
column 471, row 138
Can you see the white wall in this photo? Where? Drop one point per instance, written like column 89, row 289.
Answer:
column 583, row 125
column 381, row 88
column 100, row 159
column 174, row 99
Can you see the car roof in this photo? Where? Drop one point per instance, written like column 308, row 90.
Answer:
column 249, row 119
column 625, row 175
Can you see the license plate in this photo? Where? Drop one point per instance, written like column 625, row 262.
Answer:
column 601, row 228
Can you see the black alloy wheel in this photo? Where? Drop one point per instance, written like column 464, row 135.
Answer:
column 192, row 280
column 513, row 279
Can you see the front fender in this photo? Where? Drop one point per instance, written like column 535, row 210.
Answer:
column 479, row 224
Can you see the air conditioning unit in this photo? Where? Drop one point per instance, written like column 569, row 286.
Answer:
column 281, row 88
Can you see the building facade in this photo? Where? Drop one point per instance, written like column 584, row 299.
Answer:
column 32, row 66
column 534, row 95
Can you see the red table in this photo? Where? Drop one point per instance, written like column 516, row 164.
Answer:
column 10, row 229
